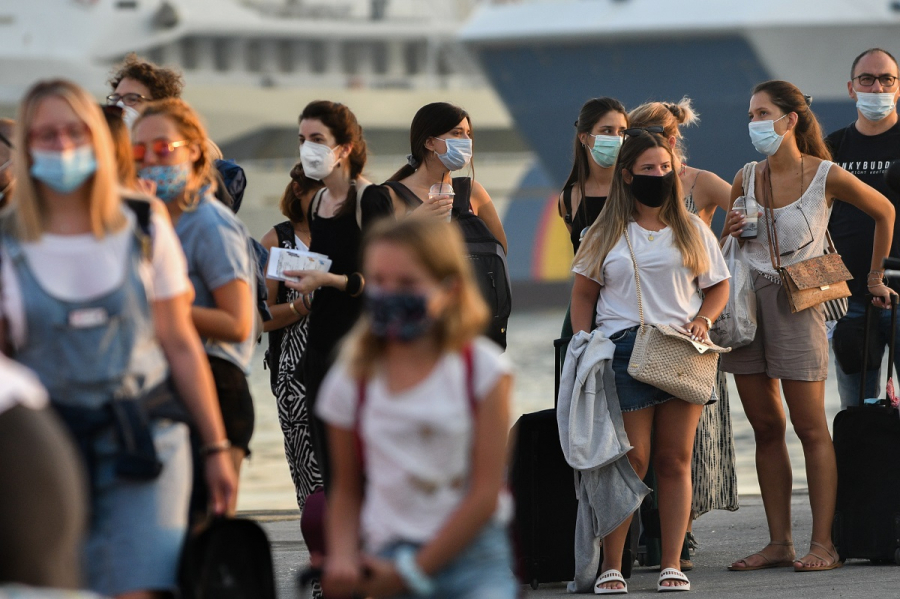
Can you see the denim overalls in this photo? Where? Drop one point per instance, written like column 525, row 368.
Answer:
column 90, row 355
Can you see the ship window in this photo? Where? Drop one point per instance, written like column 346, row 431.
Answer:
column 380, row 59
column 415, row 56
column 189, row 53
column 285, row 51
column 127, row 4
column 222, row 54
column 254, row 56
column 316, row 52
column 350, row 58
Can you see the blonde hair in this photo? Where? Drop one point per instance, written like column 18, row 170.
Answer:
column 27, row 209
column 192, row 130
column 672, row 116
column 619, row 209
column 439, row 247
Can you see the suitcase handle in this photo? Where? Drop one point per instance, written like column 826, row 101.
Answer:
column 891, row 344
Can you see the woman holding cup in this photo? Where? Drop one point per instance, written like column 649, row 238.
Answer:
column 440, row 141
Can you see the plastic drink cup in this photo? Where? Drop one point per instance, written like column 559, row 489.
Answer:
column 441, row 191
column 749, row 208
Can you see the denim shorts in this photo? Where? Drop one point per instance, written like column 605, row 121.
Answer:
column 483, row 570
column 633, row 395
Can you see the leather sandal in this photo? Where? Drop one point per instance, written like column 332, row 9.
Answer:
column 610, row 576
column 832, row 562
column 768, row 563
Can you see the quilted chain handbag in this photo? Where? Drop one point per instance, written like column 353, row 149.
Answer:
column 810, row 282
column 670, row 360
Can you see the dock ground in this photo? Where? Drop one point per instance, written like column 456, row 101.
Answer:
column 724, row 537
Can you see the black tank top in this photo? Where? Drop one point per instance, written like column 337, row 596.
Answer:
column 589, row 209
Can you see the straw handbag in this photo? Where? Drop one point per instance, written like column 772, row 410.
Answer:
column 670, row 360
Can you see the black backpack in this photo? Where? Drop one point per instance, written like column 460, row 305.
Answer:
column 486, row 255
column 229, row 559
column 488, row 260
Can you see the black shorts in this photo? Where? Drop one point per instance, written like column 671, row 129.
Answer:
column 235, row 402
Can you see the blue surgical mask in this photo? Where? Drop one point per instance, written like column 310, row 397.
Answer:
column 875, row 106
column 606, row 149
column 398, row 316
column 64, row 171
column 171, row 179
column 764, row 138
column 458, row 154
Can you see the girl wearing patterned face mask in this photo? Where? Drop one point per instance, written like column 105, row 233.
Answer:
column 425, row 511
column 441, row 143
column 171, row 152
column 103, row 319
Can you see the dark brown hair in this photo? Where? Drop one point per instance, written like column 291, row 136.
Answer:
column 291, row 203
column 342, row 124
column 430, row 121
column 808, row 132
column 592, row 111
column 162, row 82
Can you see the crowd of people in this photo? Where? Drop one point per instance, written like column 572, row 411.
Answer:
column 132, row 297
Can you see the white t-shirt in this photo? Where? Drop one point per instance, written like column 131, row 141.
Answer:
column 669, row 291
column 417, row 443
column 82, row 267
column 19, row 386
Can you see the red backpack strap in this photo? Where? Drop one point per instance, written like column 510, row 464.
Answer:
column 468, row 356
column 357, row 423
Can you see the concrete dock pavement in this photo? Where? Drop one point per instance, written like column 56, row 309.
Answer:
column 724, row 537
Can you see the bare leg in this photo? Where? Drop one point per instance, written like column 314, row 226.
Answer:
column 676, row 422
column 761, row 399
column 638, row 425
column 806, row 401
column 237, row 458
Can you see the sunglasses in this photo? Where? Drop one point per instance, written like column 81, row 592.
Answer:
column 635, row 131
column 161, row 148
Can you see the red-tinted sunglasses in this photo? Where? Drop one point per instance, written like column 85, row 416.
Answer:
column 161, row 148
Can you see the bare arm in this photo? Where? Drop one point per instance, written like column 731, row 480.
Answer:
column 232, row 318
column 841, row 184
column 714, row 300
column 710, row 192
column 584, row 303
column 734, row 221
column 484, row 208
column 282, row 315
column 193, row 379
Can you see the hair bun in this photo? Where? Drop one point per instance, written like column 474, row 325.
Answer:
column 412, row 161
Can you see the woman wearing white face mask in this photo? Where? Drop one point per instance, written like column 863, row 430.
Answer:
column 800, row 184
column 333, row 151
column 440, row 140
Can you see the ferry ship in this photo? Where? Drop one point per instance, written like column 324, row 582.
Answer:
column 546, row 57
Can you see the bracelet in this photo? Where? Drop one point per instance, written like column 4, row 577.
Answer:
column 411, row 574
column 704, row 319
column 293, row 309
column 218, row 446
column 355, row 285
column 306, row 298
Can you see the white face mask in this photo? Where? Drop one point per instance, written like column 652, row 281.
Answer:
column 129, row 115
column 875, row 106
column 318, row 160
column 764, row 138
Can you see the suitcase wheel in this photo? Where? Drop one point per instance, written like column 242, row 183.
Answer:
column 534, row 584
column 897, row 557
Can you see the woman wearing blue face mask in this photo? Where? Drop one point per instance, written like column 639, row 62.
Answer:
column 102, row 315
column 598, row 136
column 171, row 152
column 799, row 183
column 440, row 140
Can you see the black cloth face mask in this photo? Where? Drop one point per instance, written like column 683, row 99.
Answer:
column 652, row 190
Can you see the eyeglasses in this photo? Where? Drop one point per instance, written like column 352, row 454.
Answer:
column 161, row 148
column 867, row 79
column 127, row 99
column 635, row 131
column 77, row 133
column 793, row 228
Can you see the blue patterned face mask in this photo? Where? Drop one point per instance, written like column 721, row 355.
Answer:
column 171, row 179
column 63, row 171
column 398, row 316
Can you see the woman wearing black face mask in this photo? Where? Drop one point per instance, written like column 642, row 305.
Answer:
column 677, row 254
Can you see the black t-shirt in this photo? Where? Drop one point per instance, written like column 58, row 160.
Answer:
column 589, row 209
column 853, row 231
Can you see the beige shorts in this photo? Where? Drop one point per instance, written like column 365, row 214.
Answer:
column 787, row 345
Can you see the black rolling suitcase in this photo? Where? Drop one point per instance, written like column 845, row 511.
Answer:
column 542, row 486
column 866, row 444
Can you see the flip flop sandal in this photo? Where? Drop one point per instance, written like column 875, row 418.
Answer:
column 764, row 566
column 610, row 576
column 672, row 574
column 836, row 561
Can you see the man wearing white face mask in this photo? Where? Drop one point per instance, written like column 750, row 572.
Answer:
column 866, row 148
